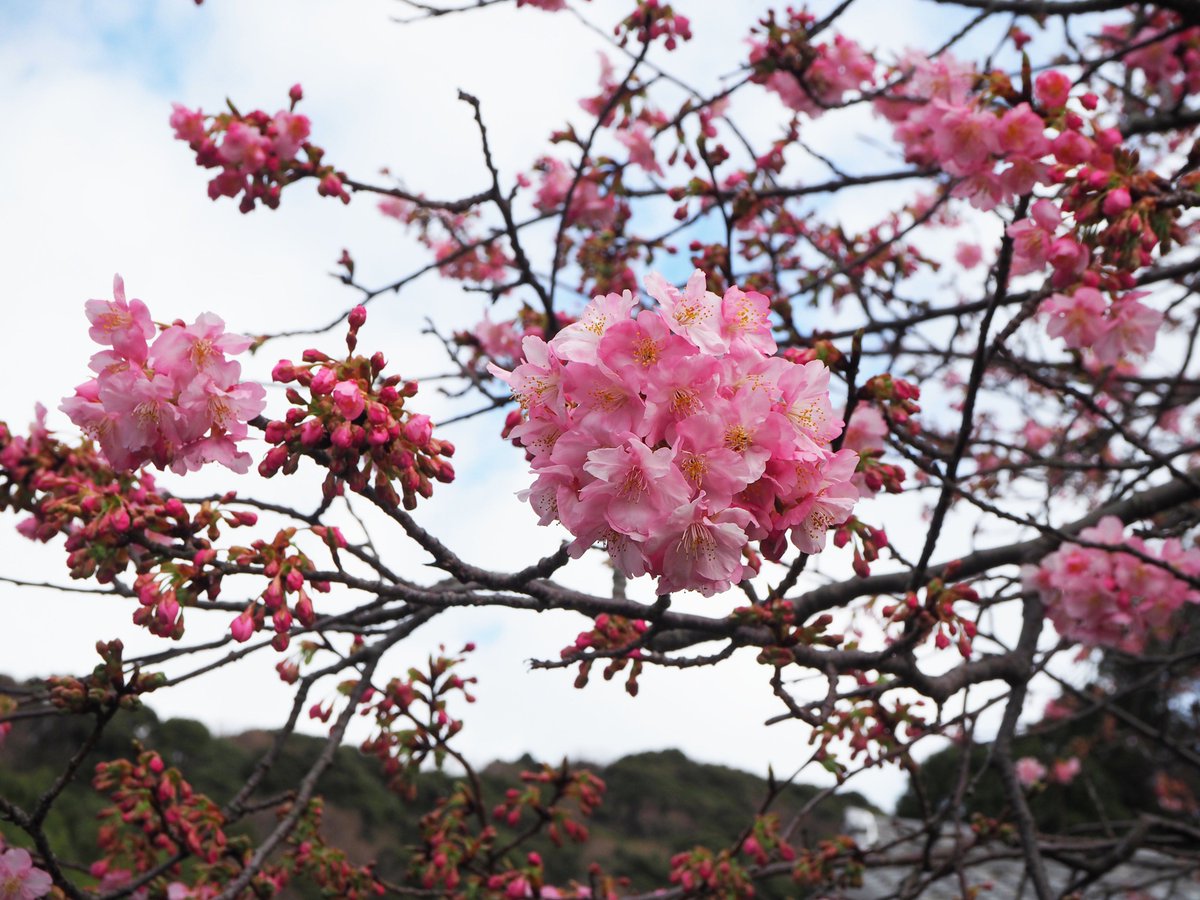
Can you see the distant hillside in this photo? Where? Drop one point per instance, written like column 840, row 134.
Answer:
column 656, row 804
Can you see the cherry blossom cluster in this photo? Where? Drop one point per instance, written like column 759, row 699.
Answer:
column 809, row 77
column 288, row 572
column 157, row 818
column 947, row 115
column 937, row 614
column 411, row 716
column 677, row 437
column 107, row 688
column 175, row 402
column 155, row 813
column 1031, row 772
column 1167, row 55
column 113, row 520
column 1111, row 331
column 614, row 638
column 1106, row 597
column 356, row 420
column 653, row 19
column 591, row 208
column 460, row 252
column 258, row 154
column 327, row 866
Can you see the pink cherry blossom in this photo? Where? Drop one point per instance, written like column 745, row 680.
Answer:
column 1033, row 237
column 175, row 403
column 1109, row 598
column 579, row 340
column 682, row 416
column 694, row 314
column 20, row 879
column 637, row 141
column 1064, row 770
column 1078, row 319
column 125, row 325
column 1052, row 88
column 1029, row 771
column 699, row 551
column 968, row 255
column 1132, row 330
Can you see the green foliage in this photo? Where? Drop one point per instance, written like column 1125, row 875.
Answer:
column 657, row 804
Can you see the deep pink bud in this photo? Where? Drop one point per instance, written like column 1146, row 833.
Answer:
column 273, row 595
column 342, row 437
column 323, row 381
column 419, row 429
column 304, row 609
column 296, row 93
column 348, row 398
column 1116, row 202
column 1052, row 89
column 242, row 627
column 168, row 609
column 358, row 316
column 284, row 371
column 1109, row 138
column 276, row 432
column 311, row 432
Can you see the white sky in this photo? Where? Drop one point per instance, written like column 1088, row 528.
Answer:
column 95, row 185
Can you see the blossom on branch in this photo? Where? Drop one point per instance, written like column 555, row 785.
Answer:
column 176, row 402
column 676, row 437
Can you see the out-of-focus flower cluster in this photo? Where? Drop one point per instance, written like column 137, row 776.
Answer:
column 809, row 77
column 258, row 153
column 1113, row 599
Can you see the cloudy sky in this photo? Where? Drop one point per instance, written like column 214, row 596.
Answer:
column 96, row 185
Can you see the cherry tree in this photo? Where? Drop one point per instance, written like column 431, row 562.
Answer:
column 940, row 466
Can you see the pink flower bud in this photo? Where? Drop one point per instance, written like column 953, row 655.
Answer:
column 419, row 429
column 1116, row 202
column 284, row 371
column 1052, row 89
column 276, row 432
column 311, row 432
column 358, row 316
column 273, row 595
column 323, row 381
column 296, row 93
column 242, row 627
column 304, row 609
column 348, row 398
column 168, row 609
